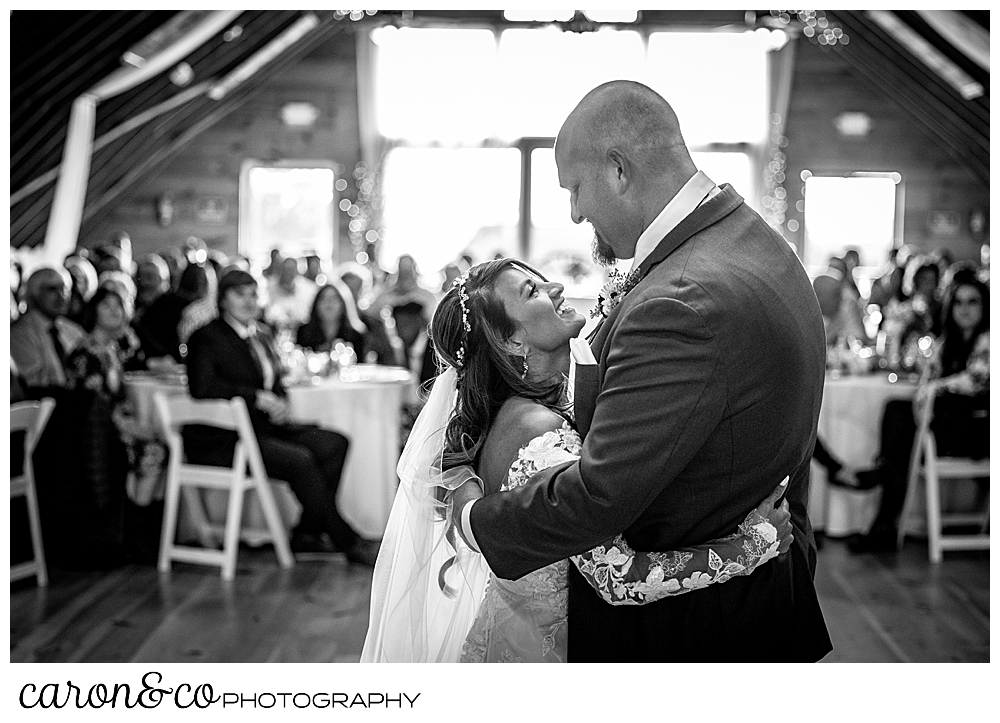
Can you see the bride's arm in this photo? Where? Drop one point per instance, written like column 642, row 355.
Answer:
column 622, row 576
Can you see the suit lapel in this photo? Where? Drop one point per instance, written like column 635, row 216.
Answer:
column 240, row 349
column 708, row 213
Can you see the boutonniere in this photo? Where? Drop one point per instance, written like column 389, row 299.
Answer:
column 613, row 292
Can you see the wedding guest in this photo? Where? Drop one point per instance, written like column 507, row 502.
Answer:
column 176, row 262
column 110, row 258
column 84, row 284
column 333, row 318
column 381, row 348
column 157, row 325
column 958, row 376
column 152, row 280
column 842, row 316
column 921, row 287
column 42, row 338
column 234, row 356
column 314, row 269
column 289, row 297
column 123, row 242
column 411, row 307
column 203, row 282
column 96, row 379
column 273, row 268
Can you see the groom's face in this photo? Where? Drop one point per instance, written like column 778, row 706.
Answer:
column 592, row 199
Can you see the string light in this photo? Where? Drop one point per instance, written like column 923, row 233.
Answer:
column 815, row 26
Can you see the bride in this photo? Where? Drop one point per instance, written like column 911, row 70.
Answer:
column 498, row 413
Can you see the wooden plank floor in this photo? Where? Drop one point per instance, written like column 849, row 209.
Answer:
column 879, row 608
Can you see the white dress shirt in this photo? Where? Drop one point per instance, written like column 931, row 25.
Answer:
column 695, row 192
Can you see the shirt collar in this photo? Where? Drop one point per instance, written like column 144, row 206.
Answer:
column 696, row 191
column 244, row 332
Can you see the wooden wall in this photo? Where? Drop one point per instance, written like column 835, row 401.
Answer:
column 822, row 88
column 208, row 170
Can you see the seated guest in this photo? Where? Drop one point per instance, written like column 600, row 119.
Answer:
column 233, row 356
column 96, row 378
column 333, row 318
column 380, row 349
column 16, row 279
column 411, row 307
column 152, row 280
column 203, row 308
column 289, row 296
column 84, row 284
column 176, row 261
column 110, row 258
column 959, row 377
column 42, row 338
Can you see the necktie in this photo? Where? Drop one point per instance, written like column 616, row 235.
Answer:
column 57, row 344
column 263, row 363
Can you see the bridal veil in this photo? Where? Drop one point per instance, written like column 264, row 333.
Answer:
column 427, row 584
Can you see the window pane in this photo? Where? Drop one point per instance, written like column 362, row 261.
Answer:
column 716, row 83
column 289, row 208
column 441, row 202
column 842, row 212
column 544, row 74
column 435, row 84
column 559, row 248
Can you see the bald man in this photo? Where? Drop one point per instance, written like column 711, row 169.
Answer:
column 42, row 339
column 706, row 390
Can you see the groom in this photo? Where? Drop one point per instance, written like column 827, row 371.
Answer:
column 706, row 390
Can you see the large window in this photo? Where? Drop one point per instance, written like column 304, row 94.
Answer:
column 472, row 168
column 287, row 205
column 858, row 211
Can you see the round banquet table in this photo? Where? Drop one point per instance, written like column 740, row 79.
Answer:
column 364, row 403
column 850, row 422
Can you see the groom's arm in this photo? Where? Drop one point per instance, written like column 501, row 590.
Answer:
column 661, row 398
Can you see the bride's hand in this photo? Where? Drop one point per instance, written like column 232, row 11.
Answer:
column 780, row 517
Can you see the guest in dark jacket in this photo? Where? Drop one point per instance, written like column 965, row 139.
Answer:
column 332, row 318
column 232, row 356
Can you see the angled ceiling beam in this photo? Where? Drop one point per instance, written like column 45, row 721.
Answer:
column 71, row 189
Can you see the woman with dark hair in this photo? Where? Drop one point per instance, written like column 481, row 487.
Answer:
column 500, row 407
column 959, row 377
column 95, row 376
column 333, row 317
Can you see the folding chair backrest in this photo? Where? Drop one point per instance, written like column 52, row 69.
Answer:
column 31, row 418
column 178, row 410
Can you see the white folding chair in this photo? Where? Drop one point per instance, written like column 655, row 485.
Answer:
column 30, row 418
column 247, row 473
column 925, row 463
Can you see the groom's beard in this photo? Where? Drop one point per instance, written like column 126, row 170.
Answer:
column 602, row 252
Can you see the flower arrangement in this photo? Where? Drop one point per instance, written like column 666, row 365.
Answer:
column 614, row 291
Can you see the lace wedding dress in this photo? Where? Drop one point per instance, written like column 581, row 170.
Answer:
column 524, row 621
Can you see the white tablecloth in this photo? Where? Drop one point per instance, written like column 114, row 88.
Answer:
column 850, row 426
column 364, row 405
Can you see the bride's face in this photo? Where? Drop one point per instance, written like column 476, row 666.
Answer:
column 545, row 321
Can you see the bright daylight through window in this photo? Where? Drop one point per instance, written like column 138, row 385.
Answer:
column 452, row 179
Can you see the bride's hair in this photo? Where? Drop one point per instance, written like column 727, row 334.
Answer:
column 488, row 374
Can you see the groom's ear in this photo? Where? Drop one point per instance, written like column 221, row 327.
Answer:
column 621, row 169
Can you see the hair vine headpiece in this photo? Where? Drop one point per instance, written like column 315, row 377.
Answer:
column 463, row 302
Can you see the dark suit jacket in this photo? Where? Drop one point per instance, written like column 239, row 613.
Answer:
column 220, row 365
column 710, row 377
